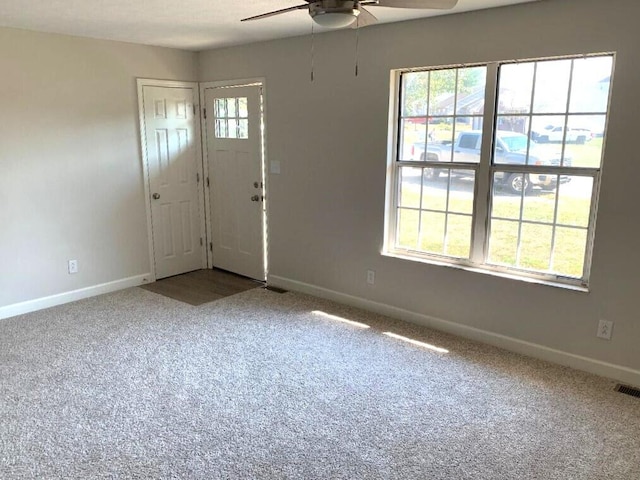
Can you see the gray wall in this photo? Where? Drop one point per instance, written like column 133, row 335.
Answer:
column 70, row 171
column 327, row 206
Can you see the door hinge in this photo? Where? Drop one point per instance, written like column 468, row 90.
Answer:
column 208, row 182
column 204, row 111
column 194, row 109
column 197, row 177
column 211, row 246
column 200, row 241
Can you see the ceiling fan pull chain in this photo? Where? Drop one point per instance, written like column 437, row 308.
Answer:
column 357, row 42
column 312, row 48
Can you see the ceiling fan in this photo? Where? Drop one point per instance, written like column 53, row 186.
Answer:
column 342, row 13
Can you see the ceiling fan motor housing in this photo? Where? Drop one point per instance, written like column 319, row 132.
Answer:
column 331, row 10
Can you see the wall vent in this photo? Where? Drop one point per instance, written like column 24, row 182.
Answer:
column 634, row 392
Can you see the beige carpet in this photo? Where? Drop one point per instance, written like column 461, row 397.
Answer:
column 257, row 386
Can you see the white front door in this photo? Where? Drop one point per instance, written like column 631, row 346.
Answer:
column 170, row 139
column 234, row 150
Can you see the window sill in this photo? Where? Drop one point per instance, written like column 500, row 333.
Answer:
column 487, row 271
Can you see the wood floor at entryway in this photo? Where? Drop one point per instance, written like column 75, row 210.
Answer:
column 202, row 286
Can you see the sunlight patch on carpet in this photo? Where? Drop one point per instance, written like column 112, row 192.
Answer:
column 339, row 319
column 416, row 342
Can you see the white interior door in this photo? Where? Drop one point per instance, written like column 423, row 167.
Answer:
column 234, row 152
column 174, row 173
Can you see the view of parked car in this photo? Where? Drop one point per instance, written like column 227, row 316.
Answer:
column 510, row 149
column 552, row 133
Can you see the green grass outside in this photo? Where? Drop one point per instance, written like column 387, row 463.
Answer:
column 536, row 240
column 588, row 155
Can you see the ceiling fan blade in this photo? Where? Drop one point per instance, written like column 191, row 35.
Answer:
column 365, row 18
column 435, row 4
column 276, row 12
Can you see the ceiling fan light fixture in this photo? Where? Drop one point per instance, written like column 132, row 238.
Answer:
column 335, row 19
column 334, row 13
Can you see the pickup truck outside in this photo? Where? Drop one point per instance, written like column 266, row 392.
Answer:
column 552, row 133
column 510, row 149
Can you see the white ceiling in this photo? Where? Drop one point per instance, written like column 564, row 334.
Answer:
column 185, row 24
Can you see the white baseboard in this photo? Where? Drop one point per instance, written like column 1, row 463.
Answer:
column 66, row 297
column 597, row 367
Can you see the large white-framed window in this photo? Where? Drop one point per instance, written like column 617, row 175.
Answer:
column 497, row 166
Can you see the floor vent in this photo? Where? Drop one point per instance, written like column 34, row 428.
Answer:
column 634, row 392
column 275, row 289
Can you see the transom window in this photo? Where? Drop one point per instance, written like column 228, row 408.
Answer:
column 497, row 166
column 231, row 118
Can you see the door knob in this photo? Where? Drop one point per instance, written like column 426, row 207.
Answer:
column 255, row 198
column 156, row 196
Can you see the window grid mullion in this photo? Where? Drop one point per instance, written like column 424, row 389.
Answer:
column 535, row 222
column 566, row 115
column 419, row 240
column 470, row 115
column 595, row 193
column 482, row 179
column 454, row 117
column 391, row 225
column 555, row 225
column 530, row 114
column 524, row 175
column 533, row 98
column 395, row 217
column 446, row 215
column 437, row 164
column 462, row 214
column 520, row 217
column 546, row 169
column 426, row 122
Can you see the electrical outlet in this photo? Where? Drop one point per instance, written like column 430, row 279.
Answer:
column 605, row 329
column 73, row 266
column 371, row 277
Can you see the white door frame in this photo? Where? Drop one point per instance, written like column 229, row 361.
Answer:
column 245, row 82
column 148, row 82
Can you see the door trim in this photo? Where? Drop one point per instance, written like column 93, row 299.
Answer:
column 149, row 82
column 245, row 82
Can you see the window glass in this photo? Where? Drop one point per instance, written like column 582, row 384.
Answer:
column 550, row 119
column 468, row 141
column 564, row 122
column 551, row 86
column 584, row 141
column 516, row 87
column 512, row 148
column 231, row 118
column 440, row 109
column 516, row 143
column 442, row 92
column 441, row 200
column 413, row 140
column 415, row 94
column 471, row 91
column 220, row 107
column 410, row 187
column 531, row 230
column 242, row 107
column 591, row 84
